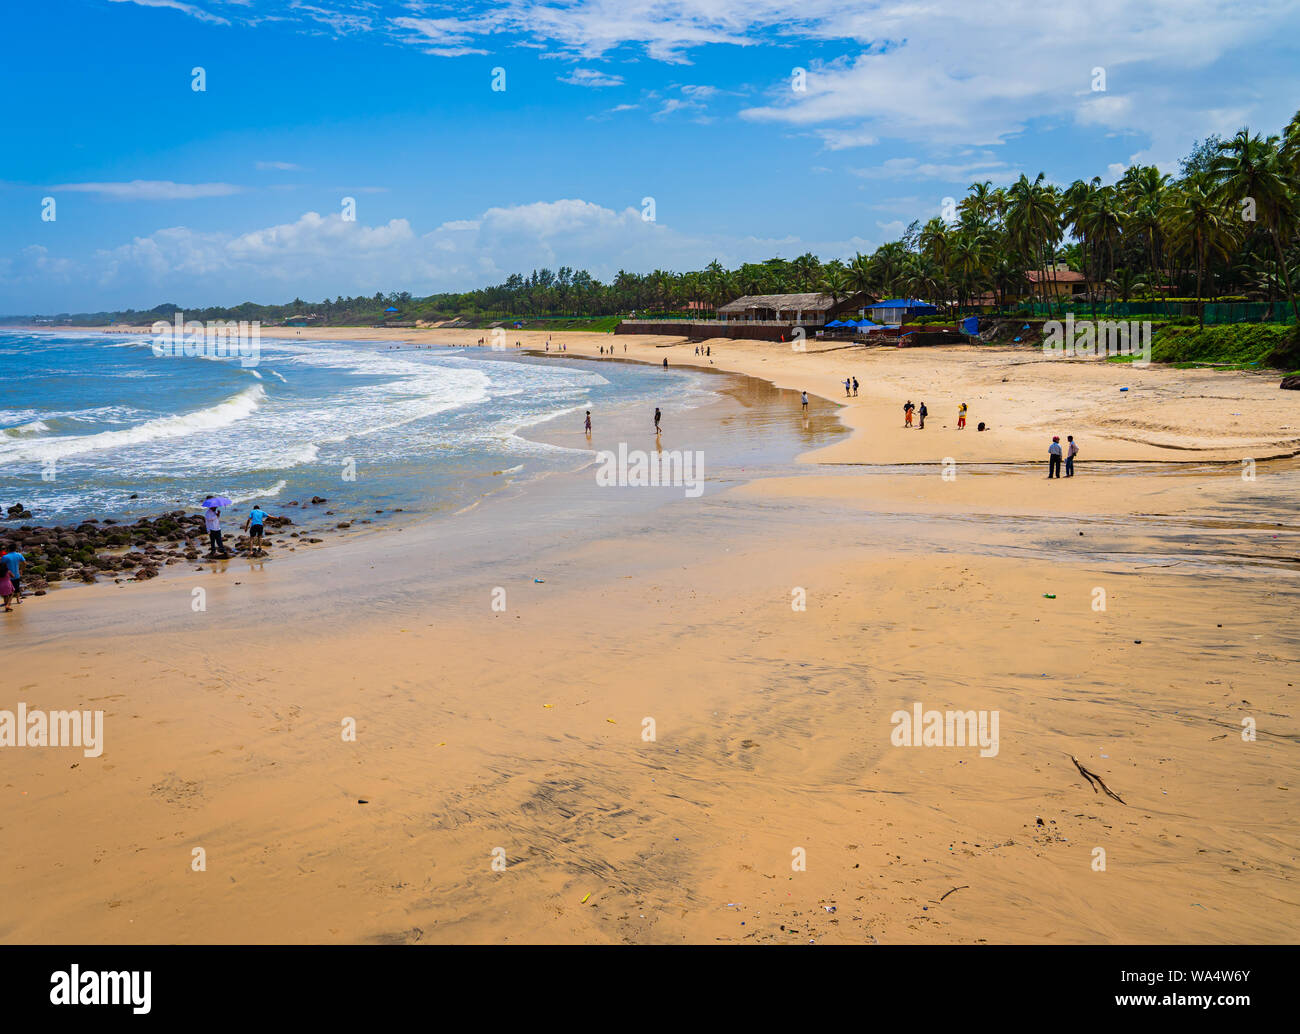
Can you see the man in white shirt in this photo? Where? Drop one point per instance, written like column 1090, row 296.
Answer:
column 1071, row 452
column 1054, row 458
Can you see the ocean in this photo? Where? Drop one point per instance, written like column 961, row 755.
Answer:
column 97, row 425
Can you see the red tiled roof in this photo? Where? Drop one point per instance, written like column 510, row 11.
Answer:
column 1060, row 276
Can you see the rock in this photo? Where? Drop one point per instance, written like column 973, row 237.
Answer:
column 1291, row 383
column 344, row 524
column 317, row 500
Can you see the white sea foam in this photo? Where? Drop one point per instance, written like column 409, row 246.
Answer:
column 233, row 409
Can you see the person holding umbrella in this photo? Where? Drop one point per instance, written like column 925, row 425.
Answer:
column 212, row 521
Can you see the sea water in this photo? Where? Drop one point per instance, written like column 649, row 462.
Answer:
column 98, row 425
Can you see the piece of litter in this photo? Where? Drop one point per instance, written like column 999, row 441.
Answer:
column 584, row 900
column 539, row 581
column 611, row 721
column 1049, row 595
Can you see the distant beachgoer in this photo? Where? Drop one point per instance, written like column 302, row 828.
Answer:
column 1054, row 458
column 708, row 350
column 587, row 428
column 254, row 526
column 657, row 417
column 961, row 417
column 212, row 521
column 848, row 387
column 6, row 588
column 855, row 387
column 665, row 362
column 922, row 413
column 13, row 564
column 804, row 395
column 697, row 349
column 1070, row 453
column 981, row 426
column 907, row 413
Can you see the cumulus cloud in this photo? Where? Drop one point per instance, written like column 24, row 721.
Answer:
column 316, row 255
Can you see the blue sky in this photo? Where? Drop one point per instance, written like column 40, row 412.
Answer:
column 163, row 193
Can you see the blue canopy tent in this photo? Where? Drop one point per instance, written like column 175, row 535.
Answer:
column 837, row 323
column 866, row 325
column 390, row 309
column 896, row 310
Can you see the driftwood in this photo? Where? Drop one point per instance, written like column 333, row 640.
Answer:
column 955, row 889
column 1095, row 780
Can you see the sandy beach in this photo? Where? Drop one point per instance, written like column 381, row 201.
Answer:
column 580, row 721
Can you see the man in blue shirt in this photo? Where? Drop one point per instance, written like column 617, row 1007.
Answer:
column 14, row 561
column 257, row 518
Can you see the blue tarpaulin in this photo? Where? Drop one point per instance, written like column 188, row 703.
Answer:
column 971, row 325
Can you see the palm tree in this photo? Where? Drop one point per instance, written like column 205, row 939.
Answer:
column 1033, row 219
column 1125, row 283
column 1251, row 167
column 1199, row 220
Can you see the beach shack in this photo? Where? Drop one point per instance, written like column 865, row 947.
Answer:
column 806, row 310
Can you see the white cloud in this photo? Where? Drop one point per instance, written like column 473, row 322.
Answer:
column 278, row 166
column 986, row 168
column 175, row 5
column 152, row 190
column 316, row 255
column 591, row 77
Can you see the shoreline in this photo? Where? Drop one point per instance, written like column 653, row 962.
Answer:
column 522, row 727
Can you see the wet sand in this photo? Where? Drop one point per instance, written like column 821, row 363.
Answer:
column 524, row 728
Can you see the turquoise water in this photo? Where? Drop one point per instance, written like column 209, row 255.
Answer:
column 98, row 425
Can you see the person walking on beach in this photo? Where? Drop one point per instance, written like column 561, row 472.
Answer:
column 212, row 521
column 855, row 387
column 1071, row 452
column 804, row 396
column 665, row 362
column 961, row 417
column 254, row 526
column 587, row 428
column 656, row 419
column 848, row 387
column 12, row 562
column 907, row 413
column 922, row 413
column 1054, row 458
column 6, row 588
